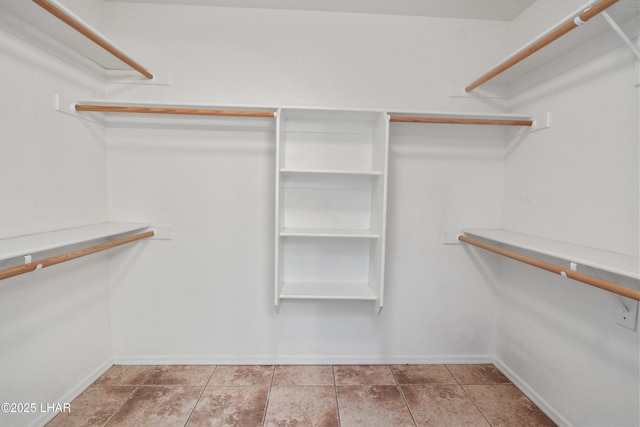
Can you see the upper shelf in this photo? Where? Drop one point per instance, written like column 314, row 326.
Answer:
column 579, row 45
column 51, row 26
column 34, row 243
column 324, row 172
column 131, row 113
column 623, row 265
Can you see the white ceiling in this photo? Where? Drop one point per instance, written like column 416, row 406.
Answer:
column 502, row 10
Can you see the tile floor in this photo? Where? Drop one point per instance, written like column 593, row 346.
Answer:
column 313, row 396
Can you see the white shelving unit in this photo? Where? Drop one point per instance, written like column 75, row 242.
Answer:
column 14, row 247
column 331, row 185
column 620, row 264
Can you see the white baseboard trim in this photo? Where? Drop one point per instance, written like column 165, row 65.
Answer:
column 532, row 394
column 298, row 360
column 45, row 417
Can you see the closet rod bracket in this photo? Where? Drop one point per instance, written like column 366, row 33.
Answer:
column 626, row 313
column 541, row 121
column 66, row 105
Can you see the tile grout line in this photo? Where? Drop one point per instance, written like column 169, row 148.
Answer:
column 137, row 387
column 335, row 390
column 266, row 406
column 469, row 396
column 200, row 397
column 404, row 399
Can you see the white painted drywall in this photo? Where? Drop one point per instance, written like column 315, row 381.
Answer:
column 54, row 324
column 577, row 182
column 207, row 294
column 234, row 56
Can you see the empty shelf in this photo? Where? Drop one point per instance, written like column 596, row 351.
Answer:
column 335, row 291
column 34, row 243
column 320, row 232
column 329, row 172
column 623, row 265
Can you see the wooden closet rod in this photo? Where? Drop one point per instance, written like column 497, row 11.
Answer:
column 168, row 110
column 47, row 262
column 462, row 121
column 533, row 48
column 88, row 33
column 584, row 278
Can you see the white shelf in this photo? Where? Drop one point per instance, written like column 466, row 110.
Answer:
column 318, row 232
column 26, row 245
column 66, row 105
column 34, row 24
column 577, row 46
column 325, row 172
column 623, row 265
column 331, row 291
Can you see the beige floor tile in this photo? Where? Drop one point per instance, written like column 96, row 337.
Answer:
column 180, row 375
column 442, row 405
column 373, row 406
column 230, row 406
column 242, row 375
column 478, row 374
column 291, row 375
column 302, row 395
column 94, row 407
column 363, row 375
column 309, row 406
column 506, row 406
column 422, row 374
column 158, row 406
column 124, row 375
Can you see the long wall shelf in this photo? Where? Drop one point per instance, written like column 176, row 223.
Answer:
column 586, row 41
column 52, row 27
column 110, row 113
column 620, row 264
column 129, row 113
column 14, row 247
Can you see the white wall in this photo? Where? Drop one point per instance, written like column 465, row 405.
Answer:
column 54, row 324
column 576, row 182
column 233, row 56
column 207, row 294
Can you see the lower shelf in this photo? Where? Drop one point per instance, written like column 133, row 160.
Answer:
column 621, row 264
column 34, row 243
column 335, row 291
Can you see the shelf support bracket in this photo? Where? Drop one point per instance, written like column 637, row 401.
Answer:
column 616, row 28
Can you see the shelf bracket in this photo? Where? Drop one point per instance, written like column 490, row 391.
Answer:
column 128, row 77
column 162, row 232
column 488, row 91
column 616, row 28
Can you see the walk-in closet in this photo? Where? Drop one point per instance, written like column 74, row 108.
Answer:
column 319, row 213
